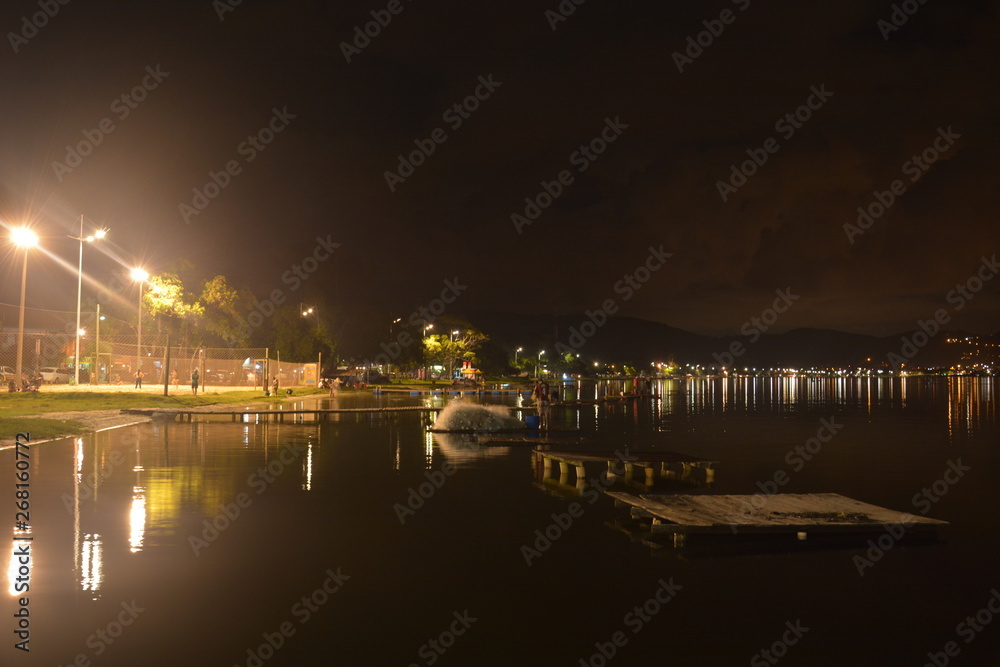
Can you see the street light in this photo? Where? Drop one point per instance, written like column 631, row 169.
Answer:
column 520, row 349
column 22, row 238
column 451, row 357
column 96, row 236
column 140, row 276
column 425, row 330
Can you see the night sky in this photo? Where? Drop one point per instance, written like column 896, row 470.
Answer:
column 212, row 76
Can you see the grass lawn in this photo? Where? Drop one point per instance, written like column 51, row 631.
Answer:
column 15, row 407
column 20, row 404
column 40, row 429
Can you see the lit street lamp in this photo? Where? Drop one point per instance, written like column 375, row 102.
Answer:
column 22, row 238
column 140, row 276
column 426, row 329
column 520, row 349
column 96, row 236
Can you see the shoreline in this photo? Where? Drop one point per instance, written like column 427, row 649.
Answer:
column 95, row 421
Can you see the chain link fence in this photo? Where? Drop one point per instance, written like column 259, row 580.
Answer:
column 115, row 360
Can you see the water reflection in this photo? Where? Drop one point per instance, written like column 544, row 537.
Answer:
column 128, row 492
column 91, row 565
column 12, row 568
column 307, row 469
column 970, row 401
column 137, row 519
column 970, row 404
column 139, row 486
column 463, row 450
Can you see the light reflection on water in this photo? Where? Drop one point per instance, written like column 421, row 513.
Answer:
column 128, row 536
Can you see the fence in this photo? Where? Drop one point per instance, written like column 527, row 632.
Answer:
column 115, row 359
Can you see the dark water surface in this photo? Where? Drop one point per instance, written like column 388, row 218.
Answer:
column 328, row 514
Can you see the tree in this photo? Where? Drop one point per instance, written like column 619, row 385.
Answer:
column 494, row 361
column 450, row 349
column 568, row 363
column 164, row 297
column 224, row 311
column 299, row 338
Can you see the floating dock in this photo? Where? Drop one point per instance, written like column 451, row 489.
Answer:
column 759, row 514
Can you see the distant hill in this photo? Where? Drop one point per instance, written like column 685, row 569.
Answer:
column 639, row 342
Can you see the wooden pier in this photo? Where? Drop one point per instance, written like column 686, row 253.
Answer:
column 670, row 466
column 759, row 514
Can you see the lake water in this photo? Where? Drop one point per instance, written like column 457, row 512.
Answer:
column 322, row 557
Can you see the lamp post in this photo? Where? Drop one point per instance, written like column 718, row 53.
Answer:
column 451, row 357
column 140, row 276
column 388, row 365
column 538, row 366
column 23, row 238
column 520, row 349
column 96, row 236
column 424, row 335
column 97, row 346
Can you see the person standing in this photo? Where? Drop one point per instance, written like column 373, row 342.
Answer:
column 195, row 378
column 542, row 402
column 173, row 378
column 138, row 379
